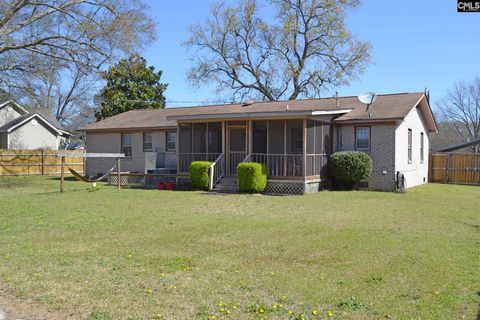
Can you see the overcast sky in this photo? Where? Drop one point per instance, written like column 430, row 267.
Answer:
column 416, row 44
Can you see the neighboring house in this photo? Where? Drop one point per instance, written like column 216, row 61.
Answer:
column 20, row 129
column 294, row 138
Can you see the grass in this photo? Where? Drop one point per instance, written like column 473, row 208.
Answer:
column 148, row 254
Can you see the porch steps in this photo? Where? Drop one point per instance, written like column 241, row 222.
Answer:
column 227, row 184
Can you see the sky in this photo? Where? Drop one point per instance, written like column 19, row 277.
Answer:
column 417, row 44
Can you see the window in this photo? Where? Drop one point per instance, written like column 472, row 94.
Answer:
column 171, row 144
column 422, row 154
column 297, row 139
column 362, row 138
column 409, row 145
column 127, row 144
column 147, row 141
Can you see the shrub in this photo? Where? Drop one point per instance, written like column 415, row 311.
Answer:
column 199, row 174
column 252, row 177
column 350, row 167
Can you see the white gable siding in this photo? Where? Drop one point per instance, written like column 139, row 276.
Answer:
column 7, row 114
column 30, row 136
column 416, row 172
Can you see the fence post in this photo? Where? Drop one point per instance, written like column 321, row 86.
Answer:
column 62, row 175
column 430, row 166
column 118, row 173
column 43, row 162
column 447, row 167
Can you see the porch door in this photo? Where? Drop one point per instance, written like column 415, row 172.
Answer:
column 237, row 148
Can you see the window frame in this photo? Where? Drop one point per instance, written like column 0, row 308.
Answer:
column 422, row 147
column 369, row 138
column 167, row 149
column 151, row 142
column 123, row 146
column 410, row 145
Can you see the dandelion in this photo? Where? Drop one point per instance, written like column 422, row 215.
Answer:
column 234, row 306
column 222, row 309
column 280, row 305
column 314, row 312
column 283, row 298
column 330, row 313
column 261, row 310
column 228, row 311
column 129, row 256
column 157, row 316
column 150, row 291
column 290, row 312
column 221, row 304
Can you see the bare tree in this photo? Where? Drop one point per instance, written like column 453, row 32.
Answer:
column 461, row 107
column 305, row 50
column 54, row 49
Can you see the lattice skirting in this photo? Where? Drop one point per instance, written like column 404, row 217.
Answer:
column 292, row 187
column 141, row 181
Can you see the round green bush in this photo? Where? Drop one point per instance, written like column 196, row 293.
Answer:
column 199, row 176
column 350, row 167
column 252, row 177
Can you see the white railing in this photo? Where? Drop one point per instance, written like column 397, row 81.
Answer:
column 184, row 159
column 291, row 165
column 216, row 171
column 234, row 159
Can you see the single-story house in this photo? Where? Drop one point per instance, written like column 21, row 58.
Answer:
column 294, row 138
column 20, row 129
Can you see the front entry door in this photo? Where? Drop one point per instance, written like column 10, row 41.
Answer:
column 237, row 148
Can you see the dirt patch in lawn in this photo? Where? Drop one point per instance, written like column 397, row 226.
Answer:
column 12, row 308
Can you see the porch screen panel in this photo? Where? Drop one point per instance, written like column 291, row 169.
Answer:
column 276, row 139
column 311, row 136
column 294, row 136
column 259, row 136
column 214, row 137
column 276, row 136
column 185, row 138
column 319, row 137
column 185, row 147
column 200, row 138
column 294, row 145
column 326, row 150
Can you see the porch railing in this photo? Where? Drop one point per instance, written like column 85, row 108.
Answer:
column 291, row 165
column 234, row 159
column 184, row 159
column 216, row 171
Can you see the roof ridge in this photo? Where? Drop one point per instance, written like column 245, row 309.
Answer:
column 262, row 102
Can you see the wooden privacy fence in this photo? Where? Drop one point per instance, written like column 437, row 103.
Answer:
column 37, row 162
column 460, row 168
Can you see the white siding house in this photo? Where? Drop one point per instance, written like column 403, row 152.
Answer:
column 20, row 129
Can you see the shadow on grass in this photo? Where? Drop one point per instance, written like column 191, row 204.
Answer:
column 67, row 178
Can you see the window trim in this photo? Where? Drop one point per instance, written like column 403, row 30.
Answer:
column 122, row 145
column 151, row 142
column 369, row 138
column 166, row 141
column 410, row 145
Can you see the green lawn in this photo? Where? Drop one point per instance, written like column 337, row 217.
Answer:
column 148, row 254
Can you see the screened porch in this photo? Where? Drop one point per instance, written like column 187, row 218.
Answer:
column 291, row 148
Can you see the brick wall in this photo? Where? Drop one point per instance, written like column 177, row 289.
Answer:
column 382, row 152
